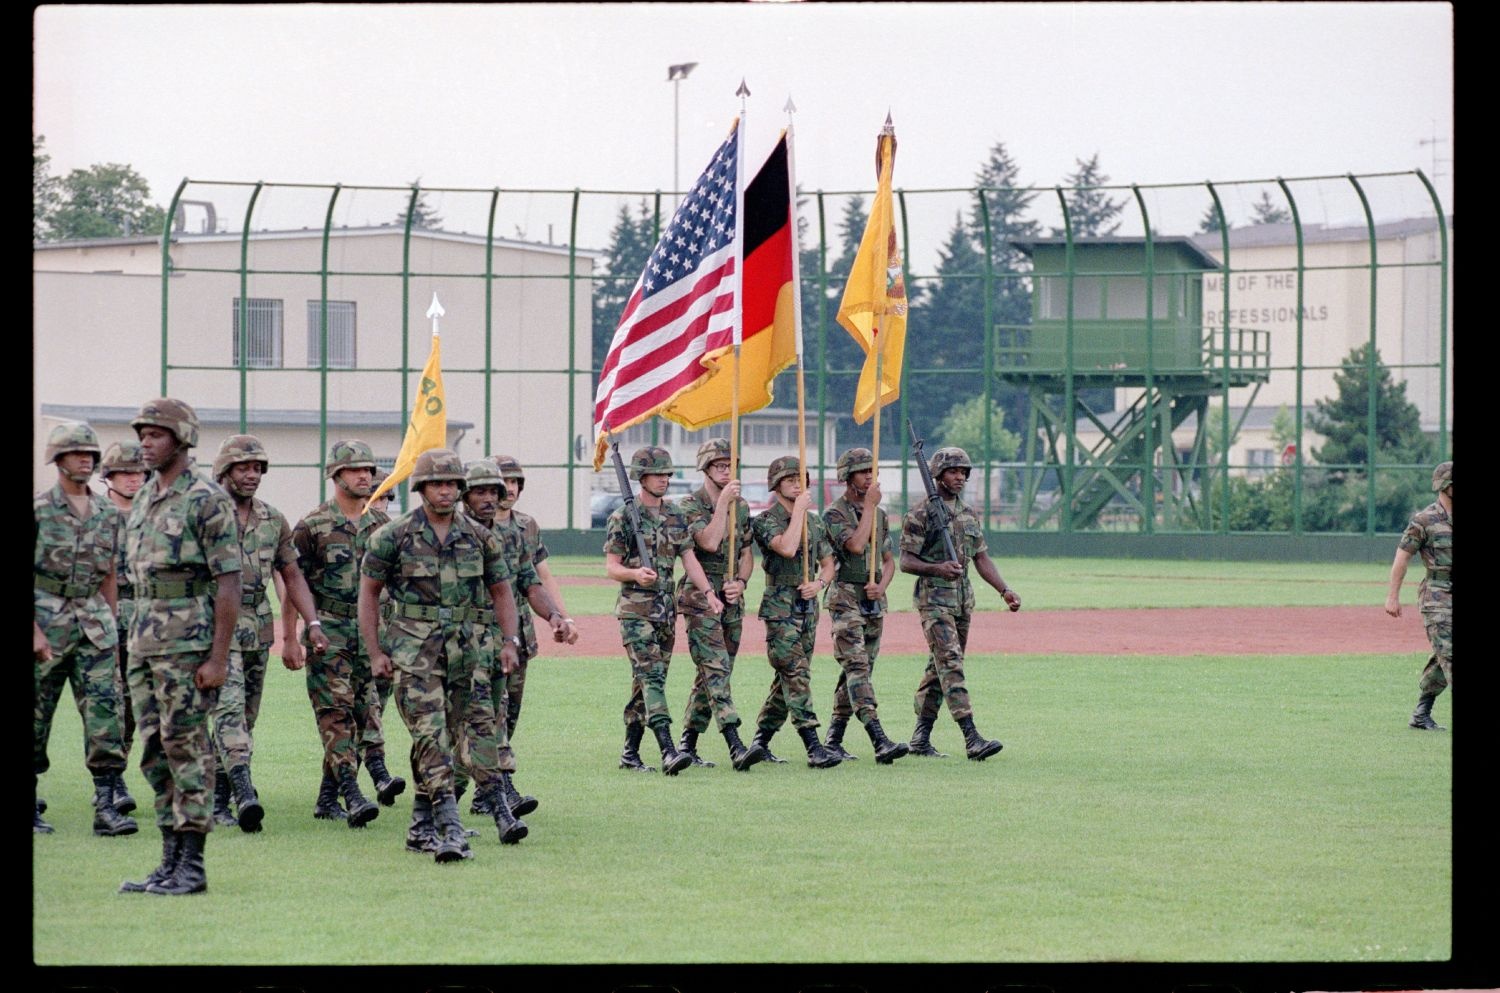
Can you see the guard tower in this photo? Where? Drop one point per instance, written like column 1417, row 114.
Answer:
column 1094, row 325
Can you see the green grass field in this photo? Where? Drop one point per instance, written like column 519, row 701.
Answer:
column 1076, row 584
column 1244, row 809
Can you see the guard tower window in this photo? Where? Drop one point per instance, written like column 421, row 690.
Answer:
column 263, row 333
column 341, row 328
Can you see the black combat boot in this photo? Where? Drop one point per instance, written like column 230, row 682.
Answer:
column 327, row 808
column 920, row 743
column 245, row 800
column 672, row 761
column 689, row 747
column 480, row 804
column 223, row 816
column 886, row 750
column 109, row 822
column 421, row 835
column 1421, row 718
column 39, row 826
column 121, row 797
column 977, row 745
column 742, row 757
column 361, row 810
column 835, row 742
column 817, row 756
column 512, row 828
column 630, row 755
column 763, row 739
column 188, row 875
column 451, row 845
column 519, row 803
column 170, row 845
column 387, row 787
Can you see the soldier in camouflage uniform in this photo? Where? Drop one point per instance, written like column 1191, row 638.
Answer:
column 527, row 534
column 124, row 472
column 789, row 606
column 75, row 537
column 266, row 551
column 448, row 581
column 330, row 543
column 944, row 598
column 485, row 492
column 1430, row 535
column 373, row 738
column 856, row 601
column 646, row 608
column 714, row 639
column 184, row 554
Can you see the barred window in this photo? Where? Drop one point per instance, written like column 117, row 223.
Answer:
column 263, row 337
column 341, row 327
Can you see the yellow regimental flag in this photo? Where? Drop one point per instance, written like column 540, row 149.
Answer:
column 873, row 310
column 428, row 427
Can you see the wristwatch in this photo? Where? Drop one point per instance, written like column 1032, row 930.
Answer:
column 515, row 639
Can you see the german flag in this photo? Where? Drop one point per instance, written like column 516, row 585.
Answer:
column 769, row 313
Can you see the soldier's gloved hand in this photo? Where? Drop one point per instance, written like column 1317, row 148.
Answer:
column 40, row 647
column 1011, row 600
column 733, row 590
column 319, row 640
column 210, row 675
column 508, row 658
column 380, row 663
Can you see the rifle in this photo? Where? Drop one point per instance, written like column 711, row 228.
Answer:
column 937, row 511
column 630, row 508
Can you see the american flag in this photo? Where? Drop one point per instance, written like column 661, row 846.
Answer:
column 681, row 307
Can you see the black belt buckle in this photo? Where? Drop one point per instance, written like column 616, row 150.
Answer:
column 869, row 608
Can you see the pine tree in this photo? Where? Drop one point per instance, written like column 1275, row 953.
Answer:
column 45, row 197
column 424, row 216
column 1267, row 211
column 1209, row 223
column 630, row 244
column 1091, row 211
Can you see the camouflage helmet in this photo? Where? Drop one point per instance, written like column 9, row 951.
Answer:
column 484, row 472
column 1442, row 477
column 239, row 448
column 173, row 415
column 71, row 436
column 854, row 460
column 948, row 458
column 122, row 456
column 780, row 469
column 651, row 461
column 436, row 465
column 712, row 451
column 510, row 467
column 349, row 454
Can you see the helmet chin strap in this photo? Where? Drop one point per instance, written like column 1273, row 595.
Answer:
column 79, row 477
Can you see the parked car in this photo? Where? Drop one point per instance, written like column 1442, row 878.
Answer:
column 603, row 503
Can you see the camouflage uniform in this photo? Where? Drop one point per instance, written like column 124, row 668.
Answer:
column 789, row 636
column 438, row 634
column 1430, row 535
column 856, row 636
column 713, row 639
column 945, row 606
column 265, row 548
column 178, row 539
column 524, row 549
column 329, row 549
column 71, row 558
column 648, row 614
column 123, row 457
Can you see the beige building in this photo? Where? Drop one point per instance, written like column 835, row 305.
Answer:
column 104, row 322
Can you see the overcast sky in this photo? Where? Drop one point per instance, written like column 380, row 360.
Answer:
column 557, row 96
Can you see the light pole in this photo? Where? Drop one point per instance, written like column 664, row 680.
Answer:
column 675, row 75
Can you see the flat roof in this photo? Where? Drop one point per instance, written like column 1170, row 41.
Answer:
column 184, row 237
column 1190, row 245
column 231, row 415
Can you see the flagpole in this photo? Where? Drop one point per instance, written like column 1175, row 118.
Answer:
column 875, row 449
column 739, row 328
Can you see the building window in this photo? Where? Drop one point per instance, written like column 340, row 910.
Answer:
column 263, row 337
column 765, row 434
column 340, row 334
column 1260, row 461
